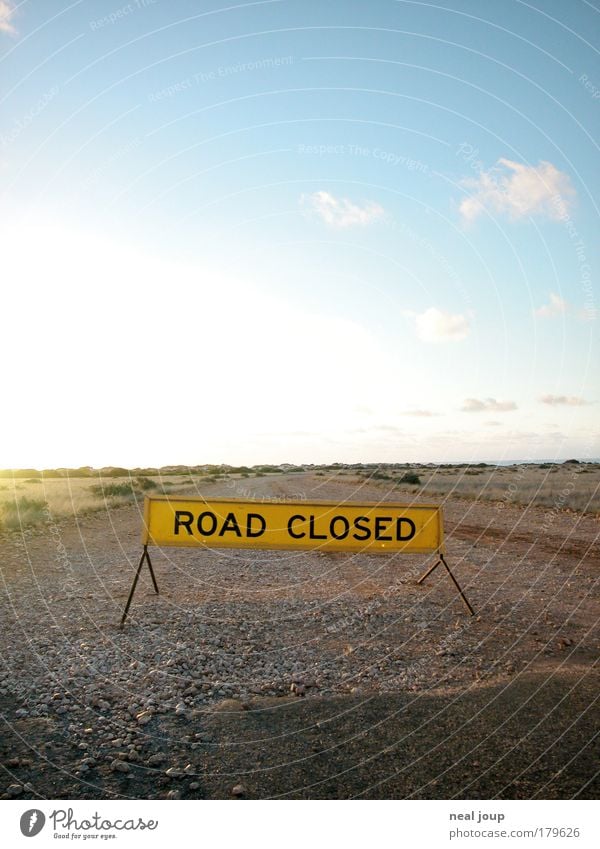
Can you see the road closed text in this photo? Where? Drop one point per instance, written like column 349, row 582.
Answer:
column 223, row 523
column 299, row 526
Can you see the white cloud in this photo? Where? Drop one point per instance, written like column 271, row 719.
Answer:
column 488, row 405
column 433, row 325
column 555, row 306
column 518, row 190
column 7, row 11
column 420, row 413
column 341, row 212
column 563, row 400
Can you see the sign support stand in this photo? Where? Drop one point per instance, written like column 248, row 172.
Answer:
column 441, row 560
column 383, row 528
column 145, row 556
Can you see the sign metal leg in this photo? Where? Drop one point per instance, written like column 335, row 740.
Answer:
column 151, row 570
column 145, row 556
column 429, row 571
column 442, row 561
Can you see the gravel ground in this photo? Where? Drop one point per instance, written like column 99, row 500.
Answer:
column 263, row 674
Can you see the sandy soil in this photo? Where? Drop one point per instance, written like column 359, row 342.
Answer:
column 402, row 693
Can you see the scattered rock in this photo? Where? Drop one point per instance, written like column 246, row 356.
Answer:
column 173, row 772
column 144, row 717
column 229, row 706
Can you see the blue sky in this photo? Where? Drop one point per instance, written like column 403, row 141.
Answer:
column 299, row 231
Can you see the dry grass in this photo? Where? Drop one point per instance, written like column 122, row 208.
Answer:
column 562, row 487
column 33, row 501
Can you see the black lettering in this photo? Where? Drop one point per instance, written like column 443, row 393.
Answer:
column 312, row 533
column 366, row 531
column 379, row 527
column 185, row 518
column 213, row 518
column 230, row 524
column 346, row 530
column 259, row 531
column 411, row 532
column 291, row 532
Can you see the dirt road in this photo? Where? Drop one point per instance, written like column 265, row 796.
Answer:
column 397, row 692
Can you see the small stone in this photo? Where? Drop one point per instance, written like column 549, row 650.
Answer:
column 158, row 758
column 15, row 790
column 189, row 769
column 173, row 772
column 238, row 791
column 21, row 713
column 229, row 706
column 144, row 717
column 194, row 785
column 119, row 766
column 173, row 794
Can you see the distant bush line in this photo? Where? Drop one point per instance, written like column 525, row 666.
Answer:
column 108, row 490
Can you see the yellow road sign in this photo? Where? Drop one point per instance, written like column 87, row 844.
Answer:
column 301, row 525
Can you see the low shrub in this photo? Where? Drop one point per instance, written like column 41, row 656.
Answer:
column 145, row 483
column 24, row 511
column 112, row 489
column 410, row 477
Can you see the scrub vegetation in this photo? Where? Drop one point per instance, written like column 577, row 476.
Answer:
column 562, row 486
column 30, row 497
